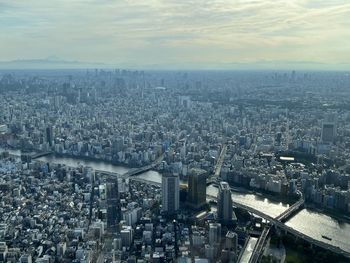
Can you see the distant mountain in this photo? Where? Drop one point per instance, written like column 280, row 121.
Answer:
column 57, row 63
column 48, row 63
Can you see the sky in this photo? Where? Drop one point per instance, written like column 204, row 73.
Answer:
column 181, row 34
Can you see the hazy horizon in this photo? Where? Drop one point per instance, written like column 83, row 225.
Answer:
column 222, row 35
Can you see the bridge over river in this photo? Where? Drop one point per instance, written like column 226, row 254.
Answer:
column 277, row 221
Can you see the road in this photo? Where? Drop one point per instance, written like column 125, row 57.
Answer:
column 220, row 161
column 259, row 247
column 272, row 220
column 290, row 230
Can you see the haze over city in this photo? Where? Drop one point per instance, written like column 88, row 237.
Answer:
column 153, row 34
column 174, row 131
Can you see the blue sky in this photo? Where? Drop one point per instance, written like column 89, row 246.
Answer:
column 179, row 34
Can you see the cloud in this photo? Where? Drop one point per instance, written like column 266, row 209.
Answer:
column 192, row 32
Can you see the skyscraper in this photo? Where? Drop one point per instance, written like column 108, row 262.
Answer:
column 113, row 205
column 197, row 188
column 328, row 129
column 328, row 132
column 231, row 241
column 214, row 233
column 127, row 235
column 224, row 203
column 170, row 193
column 49, row 135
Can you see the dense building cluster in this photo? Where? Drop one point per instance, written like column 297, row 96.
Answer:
column 280, row 133
column 55, row 213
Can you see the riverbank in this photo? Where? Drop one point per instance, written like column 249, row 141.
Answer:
column 298, row 250
column 18, row 152
column 329, row 212
column 264, row 194
column 303, row 221
column 94, row 159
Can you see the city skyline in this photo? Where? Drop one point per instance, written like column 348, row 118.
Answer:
column 174, row 131
column 175, row 34
column 194, row 166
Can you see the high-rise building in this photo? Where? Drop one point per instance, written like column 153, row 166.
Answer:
column 113, row 204
column 127, row 235
column 328, row 132
column 231, row 241
column 170, row 193
column 49, row 135
column 197, row 188
column 224, row 203
column 214, row 233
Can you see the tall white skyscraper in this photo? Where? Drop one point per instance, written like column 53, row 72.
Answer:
column 170, row 193
column 224, row 203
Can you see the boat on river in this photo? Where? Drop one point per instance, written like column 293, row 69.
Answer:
column 325, row 237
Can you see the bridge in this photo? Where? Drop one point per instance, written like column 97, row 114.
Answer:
column 146, row 168
column 213, row 179
column 141, row 180
column 134, row 171
column 277, row 222
column 37, row 155
column 137, row 171
column 259, row 246
column 291, row 210
column 290, row 230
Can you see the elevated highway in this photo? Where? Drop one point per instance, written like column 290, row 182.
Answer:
column 291, row 210
column 217, row 169
column 259, row 247
column 277, row 222
column 287, row 229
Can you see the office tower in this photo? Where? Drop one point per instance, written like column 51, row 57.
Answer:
column 197, row 188
column 127, row 236
column 328, row 132
column 113, row 204
column 170, row 193
column 210, row 252
column 49, row 135
column 224, row 203
column 329, row 128
column 231, row 241
column 214, row 233
column 117, row 243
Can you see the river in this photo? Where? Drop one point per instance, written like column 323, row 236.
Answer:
column 311, row 223
column 76, row 161
column 315, row 224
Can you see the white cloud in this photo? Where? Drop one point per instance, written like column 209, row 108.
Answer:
column 193, row 32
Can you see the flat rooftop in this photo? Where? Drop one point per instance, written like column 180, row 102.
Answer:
column 224, row 186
